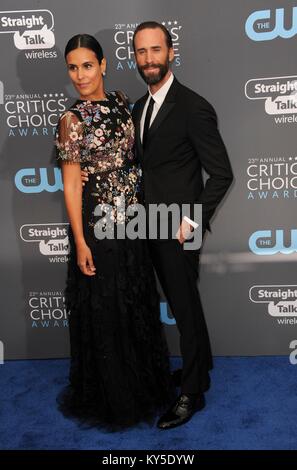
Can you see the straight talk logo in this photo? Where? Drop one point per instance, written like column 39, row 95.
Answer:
column 281, row 301
column 279, row 95
column 32, row 30
column 52, row 240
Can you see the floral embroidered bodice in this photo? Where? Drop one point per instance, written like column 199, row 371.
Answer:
column 100, row 136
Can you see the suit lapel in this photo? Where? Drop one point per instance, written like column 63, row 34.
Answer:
column 137, row 119
column 163, row 112
column 161, row 115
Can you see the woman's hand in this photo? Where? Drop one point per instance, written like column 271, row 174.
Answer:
column 85, row 259
column 84, row 177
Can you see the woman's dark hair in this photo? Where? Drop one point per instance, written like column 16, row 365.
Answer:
column 87, row 41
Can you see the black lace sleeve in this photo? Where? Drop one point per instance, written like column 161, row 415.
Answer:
column 69, row 138
column 123, row 97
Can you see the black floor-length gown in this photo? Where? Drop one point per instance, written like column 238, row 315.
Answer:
column 119, row 373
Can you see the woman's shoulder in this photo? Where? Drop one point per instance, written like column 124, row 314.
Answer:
column 71, row 114
column 121, row 97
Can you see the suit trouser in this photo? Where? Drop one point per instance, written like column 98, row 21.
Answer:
column 177, row 270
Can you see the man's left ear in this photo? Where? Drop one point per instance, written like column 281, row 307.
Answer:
column 171, row 54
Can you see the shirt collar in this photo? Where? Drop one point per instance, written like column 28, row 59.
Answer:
column 160, row 95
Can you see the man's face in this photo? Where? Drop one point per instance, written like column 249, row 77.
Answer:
column 152, row 55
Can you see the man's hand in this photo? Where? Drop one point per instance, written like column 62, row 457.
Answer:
column 84, row 177
column 184, row 231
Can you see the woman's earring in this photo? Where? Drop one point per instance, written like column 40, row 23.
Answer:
column 103, row 73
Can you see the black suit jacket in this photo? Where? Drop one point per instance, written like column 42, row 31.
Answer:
column 182, row 140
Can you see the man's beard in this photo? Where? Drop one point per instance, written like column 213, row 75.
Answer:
column 154, row 78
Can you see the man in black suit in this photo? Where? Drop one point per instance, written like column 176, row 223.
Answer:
column 177, row 137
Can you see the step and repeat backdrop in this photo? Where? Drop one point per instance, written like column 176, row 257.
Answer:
column 242, row 57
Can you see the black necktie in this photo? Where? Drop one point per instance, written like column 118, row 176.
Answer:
column 147, row 121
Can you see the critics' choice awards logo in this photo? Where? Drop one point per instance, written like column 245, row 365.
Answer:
column 37, row 180
column 273, row 242
column 30, row 115
column 52, row 240
column 281, row 301
column 31, row 29
column 123, row 40
column 265, row 25
column 279, row 95
column 47, row 309
column 272, row 178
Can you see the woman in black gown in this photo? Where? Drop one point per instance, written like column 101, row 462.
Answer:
column 119, row 373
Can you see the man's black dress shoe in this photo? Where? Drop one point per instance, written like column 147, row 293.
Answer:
column 182, row 411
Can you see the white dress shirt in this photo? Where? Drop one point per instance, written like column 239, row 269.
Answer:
column 158, row 98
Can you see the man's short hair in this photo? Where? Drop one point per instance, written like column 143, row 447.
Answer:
column 153, row 25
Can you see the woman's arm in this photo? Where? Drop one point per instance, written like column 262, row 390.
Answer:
column 69, row 138
column 73, row 198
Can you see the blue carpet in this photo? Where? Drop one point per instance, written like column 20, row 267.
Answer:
column 252, row 404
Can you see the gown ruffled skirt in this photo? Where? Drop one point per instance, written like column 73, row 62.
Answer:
column 119, row 373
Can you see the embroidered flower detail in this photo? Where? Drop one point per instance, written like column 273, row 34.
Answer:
column 90, row 169
column 104, row 110
column 120, row 217
column 118, row 162
column 117, row 200
column 73, row 135
column 99, row 132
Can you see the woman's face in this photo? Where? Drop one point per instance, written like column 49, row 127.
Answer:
column 85, row 73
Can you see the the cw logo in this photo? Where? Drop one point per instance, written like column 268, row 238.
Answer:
column 258, row 28
column 27, row 181
column 264, row 242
